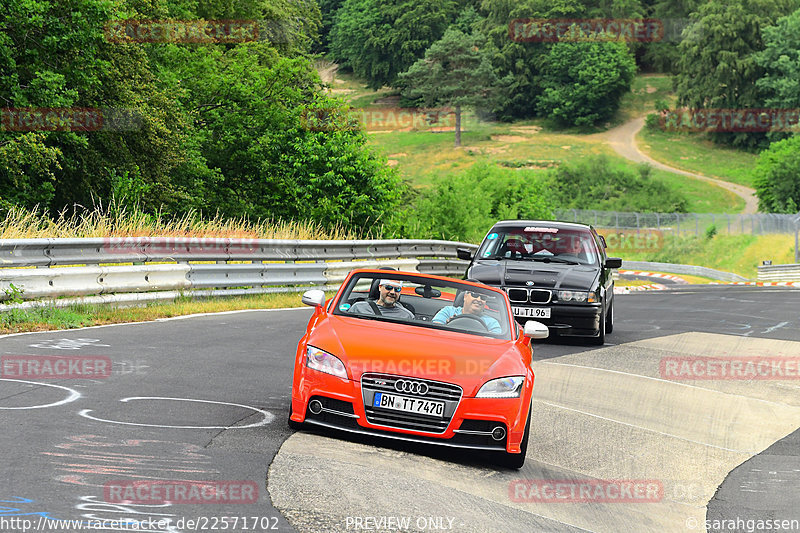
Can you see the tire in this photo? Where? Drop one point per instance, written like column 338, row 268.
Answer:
column 601, row 337
column 292, row 424
column 516, row 460
column 610, row 319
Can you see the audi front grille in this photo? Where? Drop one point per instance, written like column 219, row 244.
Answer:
column 403, row 386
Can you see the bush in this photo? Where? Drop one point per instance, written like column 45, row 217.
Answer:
column 465, row 206
column 595, row 184
column 777, row 179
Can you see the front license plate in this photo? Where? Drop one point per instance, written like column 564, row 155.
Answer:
column 408, row 405
column 532, row 312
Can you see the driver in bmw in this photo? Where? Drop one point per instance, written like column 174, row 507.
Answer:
column 474, row 304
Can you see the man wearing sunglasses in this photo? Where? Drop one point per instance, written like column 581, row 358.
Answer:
column 475, row 305
column 387, row 303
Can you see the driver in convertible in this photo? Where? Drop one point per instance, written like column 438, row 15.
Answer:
column 474, row 305
column 387, row 303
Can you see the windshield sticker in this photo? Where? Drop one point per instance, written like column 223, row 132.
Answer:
column 344, row 307
column 487, row 253
column 537, row 228
column 492, row 236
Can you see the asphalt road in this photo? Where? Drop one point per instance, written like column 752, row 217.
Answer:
column 203, row 400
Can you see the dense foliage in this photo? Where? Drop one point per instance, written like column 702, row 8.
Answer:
column 595, row 183
column 216, row 126
column 778, row 177
column 585, row 81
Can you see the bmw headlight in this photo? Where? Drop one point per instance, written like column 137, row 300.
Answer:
column 577, row 296
column 322, row 361
column 510, row 387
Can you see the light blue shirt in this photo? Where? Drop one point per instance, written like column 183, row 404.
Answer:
column 446, row 313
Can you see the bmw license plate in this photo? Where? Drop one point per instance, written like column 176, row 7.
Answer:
column 532, row 312
column 408, row 405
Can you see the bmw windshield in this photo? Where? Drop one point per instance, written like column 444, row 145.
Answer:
column 540, row 243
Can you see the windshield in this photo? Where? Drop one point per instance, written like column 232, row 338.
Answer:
column 540, row 243
column 424, row 302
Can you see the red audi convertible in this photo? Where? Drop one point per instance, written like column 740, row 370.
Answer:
column 420, row 358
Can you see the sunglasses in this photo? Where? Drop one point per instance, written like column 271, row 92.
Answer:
column 479, row 296
column 392, row 288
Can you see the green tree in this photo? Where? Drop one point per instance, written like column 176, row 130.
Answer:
column 380, row 39
column 777, row 177
column 717, row 65
column 584, row 82
column 456, row 72
column 518, row 64
column 780, row 59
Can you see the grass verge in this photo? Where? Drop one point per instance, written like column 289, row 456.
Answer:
column 83, row 315
column 740, row 254
column 694, row 153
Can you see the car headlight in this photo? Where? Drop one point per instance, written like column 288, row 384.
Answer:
column 577, row 296
column 510, row 387
column 322, row 361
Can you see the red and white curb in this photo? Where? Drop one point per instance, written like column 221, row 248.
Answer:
column 650, row 287
column 760, row 283
column 676, row 279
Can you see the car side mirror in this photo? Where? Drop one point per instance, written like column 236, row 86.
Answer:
column 464, row 254
column 536, row 330
column 613, row 262
column 314, row 298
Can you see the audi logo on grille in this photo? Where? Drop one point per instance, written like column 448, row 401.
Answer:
column 411, row 387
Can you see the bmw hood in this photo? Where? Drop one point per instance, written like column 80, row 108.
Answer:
column 417, row 351
column 543, row 275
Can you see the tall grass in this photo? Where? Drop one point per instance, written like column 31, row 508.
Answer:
column 119, row 221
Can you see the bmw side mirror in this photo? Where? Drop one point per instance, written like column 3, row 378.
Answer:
column 464, row 254
column 613, row 262
column 536, row 330
column 314, row 298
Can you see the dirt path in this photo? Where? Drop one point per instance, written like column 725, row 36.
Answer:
column 623, row 140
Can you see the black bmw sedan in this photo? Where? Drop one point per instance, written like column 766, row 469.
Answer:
column 554, row 272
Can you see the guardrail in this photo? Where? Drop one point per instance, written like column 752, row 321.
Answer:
column 789, row 272
column 689, row 270
column 141, row 269
column 120, row 269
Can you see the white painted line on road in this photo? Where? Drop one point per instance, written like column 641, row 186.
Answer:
column 268, row 417
column 648, row 429
column 666, row 381
column 73, row 395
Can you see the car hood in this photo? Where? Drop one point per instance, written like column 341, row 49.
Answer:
column 375, row 346
column 544, row 275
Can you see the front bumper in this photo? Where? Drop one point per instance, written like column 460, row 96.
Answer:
column 468, row 424
column 573, row 320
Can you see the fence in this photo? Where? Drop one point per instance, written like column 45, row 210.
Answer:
column 685, row 223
